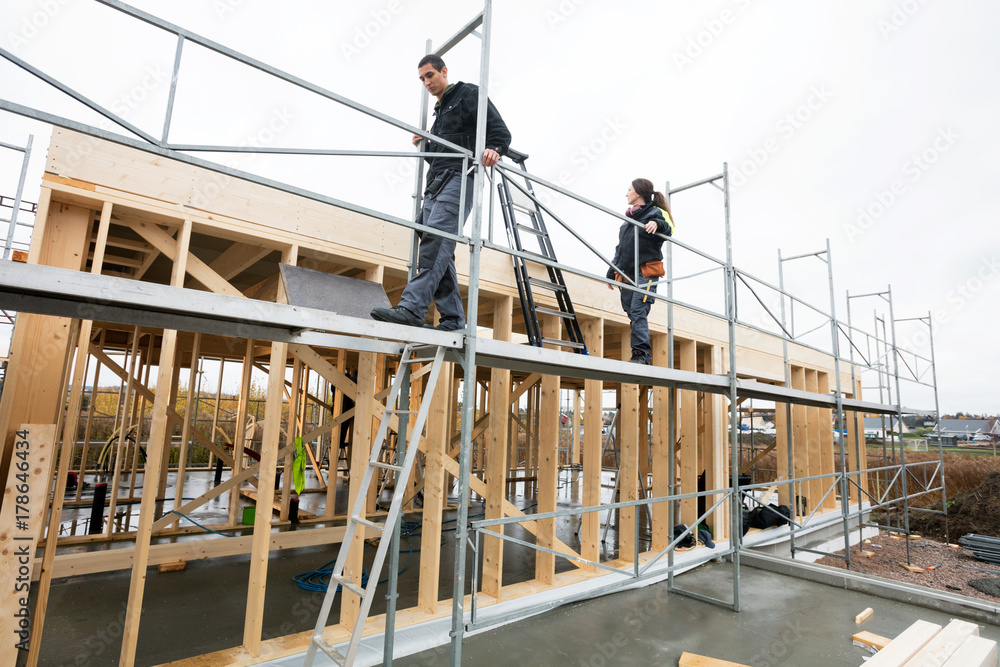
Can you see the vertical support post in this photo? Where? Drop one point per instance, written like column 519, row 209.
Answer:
column 661, row 529
column 799, row 448
column 574, row 437
column 496, row 461
column 817, row 487
column 714, row 437
column 548, row 462
column 628, row 470
column 159, row 435
column 434, row 493
column 688, row 360
column 269, row 445
column 590, row 523
column 239, row 433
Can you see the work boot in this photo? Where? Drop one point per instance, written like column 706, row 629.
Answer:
column 396, row 315
column 640, row 358
column 449, row 325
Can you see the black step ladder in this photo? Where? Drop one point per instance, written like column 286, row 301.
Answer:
column 518, row 204
column 412, row 353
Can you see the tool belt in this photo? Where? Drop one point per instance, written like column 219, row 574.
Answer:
column 653, row 269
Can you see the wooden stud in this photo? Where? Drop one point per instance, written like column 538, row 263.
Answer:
column 496, row 462
column 159, row 434
column 870, row 639
column 800, row 448
column 434, row 490
column 688, row 470
column 905, row 646
column 662, row 533
column 242, row 417
column 786, row 493
column 817, row 487
column 574, row 437
column 548, row 461
column 828, row 446
column 694, row 660
column 974, row 652
column 628, row 469
column 945, row 644
column 39, row 342
column 254, row 625
column 864, row 615
column 590, row 523
column 715, row 458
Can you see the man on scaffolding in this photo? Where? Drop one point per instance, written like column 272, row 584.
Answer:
column 455, row 120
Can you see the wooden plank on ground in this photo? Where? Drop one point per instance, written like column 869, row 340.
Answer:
column 945, row 644
column 22, row 517
column 905, row 646
column 863, row 616
column 870, row 639
column 694, row 660
column 974, row 652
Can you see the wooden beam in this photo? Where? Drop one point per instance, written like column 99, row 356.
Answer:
column 817, row 487
column 662, row 533
column 694, row 660
column 39, row 344
column 715, row 445
column 974, row 652
column 496, row 461
column 434, row 492
column 548, row 461
column 197, row 268
column 944, row 644
column 800, row 448
column 826, row 443
column 159, row 434
column 628, row 471
column 905, row 646
column 782, row 413
column 590, row 523
column 688, row 434
column 259, row 556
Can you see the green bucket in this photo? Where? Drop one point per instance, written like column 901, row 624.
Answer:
column 249, row 513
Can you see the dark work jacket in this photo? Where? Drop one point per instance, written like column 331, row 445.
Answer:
column 455, row 120
column 650, row 245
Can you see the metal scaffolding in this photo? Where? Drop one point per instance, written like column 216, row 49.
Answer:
column 47, row 290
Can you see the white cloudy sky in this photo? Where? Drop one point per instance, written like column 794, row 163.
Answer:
column 871, row 124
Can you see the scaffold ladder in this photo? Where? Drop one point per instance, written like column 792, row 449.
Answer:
column 520, row 203
column 378, row 461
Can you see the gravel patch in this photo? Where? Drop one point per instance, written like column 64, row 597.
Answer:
column 950, row 571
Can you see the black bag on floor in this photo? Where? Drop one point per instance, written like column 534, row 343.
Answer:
column 688, row 540
column 767, row 516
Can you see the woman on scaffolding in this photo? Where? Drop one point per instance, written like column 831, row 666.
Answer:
column 649, row 209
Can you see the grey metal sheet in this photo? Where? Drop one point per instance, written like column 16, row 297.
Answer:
column 327, row 291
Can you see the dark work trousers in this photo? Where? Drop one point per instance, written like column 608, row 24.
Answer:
column 636, row 305
column 436, row 279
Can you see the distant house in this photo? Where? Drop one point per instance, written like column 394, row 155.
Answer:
column 968, row 429
column 876, row 427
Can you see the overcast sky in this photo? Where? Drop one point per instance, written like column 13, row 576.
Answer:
column 873, row 125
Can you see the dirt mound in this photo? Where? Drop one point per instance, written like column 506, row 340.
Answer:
column 973, row 511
